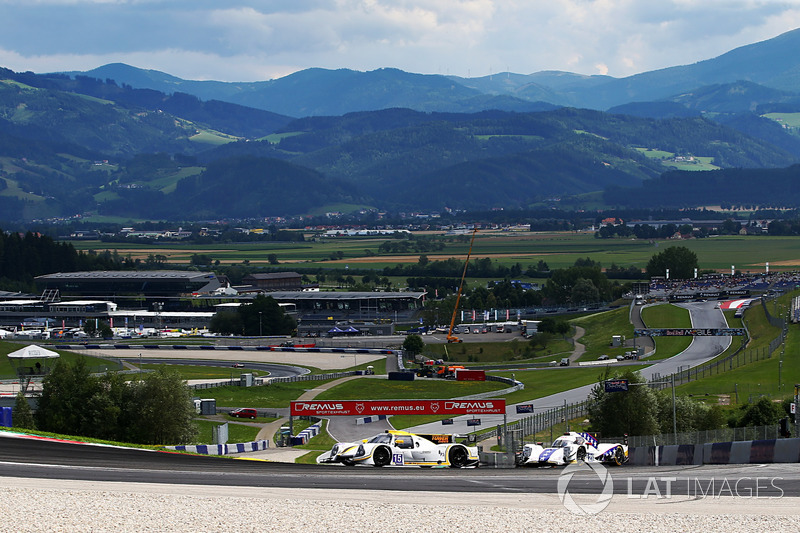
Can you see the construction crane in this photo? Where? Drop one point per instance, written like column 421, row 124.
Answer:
column 450, row 336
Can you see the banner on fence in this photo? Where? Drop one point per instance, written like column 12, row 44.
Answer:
column 398, row 407
column 690, row 332
column 616, row 385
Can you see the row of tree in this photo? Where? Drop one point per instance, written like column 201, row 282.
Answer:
column 643, row 410
column 157, row 409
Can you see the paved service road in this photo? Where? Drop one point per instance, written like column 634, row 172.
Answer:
column 702, row 349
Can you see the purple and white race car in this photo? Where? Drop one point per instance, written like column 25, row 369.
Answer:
column 572, row 447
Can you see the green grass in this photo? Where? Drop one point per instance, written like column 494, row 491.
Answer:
column 758, row 377
column 214, row 138
column 791, row 120
column 383, row 389
column 667, row 316
column 236, row 432
column 513, row 349
column 275, row 138
column 538, row 383
column 7, row 370
column 559, row 250
column 599, row 329
column 269, row 396
column 204, row 372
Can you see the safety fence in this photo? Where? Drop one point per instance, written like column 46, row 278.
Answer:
column 704, row 437
column 524, row 428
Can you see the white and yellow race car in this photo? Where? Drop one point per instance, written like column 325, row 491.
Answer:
column 400, row 448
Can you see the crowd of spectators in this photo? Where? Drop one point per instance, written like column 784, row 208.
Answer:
column 723, row 285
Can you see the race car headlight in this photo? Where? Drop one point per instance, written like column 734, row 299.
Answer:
column 360, row 450
column 335, row 449
column 526, row 453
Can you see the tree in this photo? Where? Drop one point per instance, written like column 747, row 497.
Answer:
column 413, row 344
column 226, row 323
column 157, row 410
column 265, row 317
column 690, row 415
column 763, row 412
column 273, row 259
column 164, row 407
column 634, row 412
column 584, row 291
column 680, row 261
column 66, row 391
column 23, row 416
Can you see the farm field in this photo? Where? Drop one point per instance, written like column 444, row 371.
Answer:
column 557, row 249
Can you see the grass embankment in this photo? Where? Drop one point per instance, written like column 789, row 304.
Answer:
column 267, row 396
column 667, row 316
column 236, row 432
column 600, row 327
column 514, row 348
column 421, row 388
column 758, row 377
column 8, row 370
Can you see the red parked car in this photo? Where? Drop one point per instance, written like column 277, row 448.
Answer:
column 244, row 412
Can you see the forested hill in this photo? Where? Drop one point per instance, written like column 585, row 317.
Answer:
column 778, row 187
column 113, row 150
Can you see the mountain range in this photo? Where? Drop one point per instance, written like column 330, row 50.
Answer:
column 142, row 144
column 316, row 91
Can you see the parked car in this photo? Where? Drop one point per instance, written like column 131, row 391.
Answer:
column 244, row 412
column 603, row 357
column 564, row 362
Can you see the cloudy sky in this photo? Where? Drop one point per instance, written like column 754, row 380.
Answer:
column 239, row 40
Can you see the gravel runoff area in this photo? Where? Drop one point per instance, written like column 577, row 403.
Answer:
column 75, row 506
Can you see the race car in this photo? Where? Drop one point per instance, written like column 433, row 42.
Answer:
column 400, row 448
column 571, row 447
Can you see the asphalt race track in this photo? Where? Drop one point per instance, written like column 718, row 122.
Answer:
column 275, row 370
column 37, row 458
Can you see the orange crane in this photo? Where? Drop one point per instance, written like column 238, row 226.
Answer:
column 450, row 336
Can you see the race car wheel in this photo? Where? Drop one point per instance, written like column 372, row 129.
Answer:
column 381, row 456
column 458, row 457
column 580, row 455
column 619, row 456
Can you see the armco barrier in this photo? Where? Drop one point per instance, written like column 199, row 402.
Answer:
column 738, row 452
column 223, row 449
column 376, row 351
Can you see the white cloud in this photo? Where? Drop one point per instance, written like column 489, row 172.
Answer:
column 259, row 39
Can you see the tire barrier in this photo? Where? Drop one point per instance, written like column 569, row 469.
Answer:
column 222, row 449
column 306, row 435
column 375, row 351
column 724, row 453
